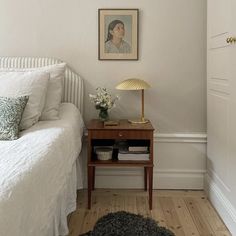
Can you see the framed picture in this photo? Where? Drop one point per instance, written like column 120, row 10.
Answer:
column 118, row 34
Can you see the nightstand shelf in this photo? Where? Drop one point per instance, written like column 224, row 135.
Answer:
column 104, row 136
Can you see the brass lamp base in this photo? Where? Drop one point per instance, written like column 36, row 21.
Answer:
column 139, row 121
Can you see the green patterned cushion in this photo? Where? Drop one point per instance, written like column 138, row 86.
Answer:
column 11, row 110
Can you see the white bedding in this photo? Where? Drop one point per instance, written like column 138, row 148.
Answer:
column 34, row 171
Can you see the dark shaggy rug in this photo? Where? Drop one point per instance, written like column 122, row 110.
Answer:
column 127, row 224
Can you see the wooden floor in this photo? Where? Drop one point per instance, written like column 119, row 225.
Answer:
column 186, row 213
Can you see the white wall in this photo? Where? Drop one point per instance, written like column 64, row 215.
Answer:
column 172, row 56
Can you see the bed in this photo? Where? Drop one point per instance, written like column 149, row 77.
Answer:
column 40, row 171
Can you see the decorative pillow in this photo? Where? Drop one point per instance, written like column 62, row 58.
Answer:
column 32, row 84
column 11, row 110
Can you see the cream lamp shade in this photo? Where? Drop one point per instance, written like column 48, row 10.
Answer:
column 135, row 84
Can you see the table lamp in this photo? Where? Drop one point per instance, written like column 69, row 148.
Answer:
column 135, row 84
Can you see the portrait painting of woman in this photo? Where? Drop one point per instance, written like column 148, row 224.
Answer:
column 114, row 42
column 118, row 34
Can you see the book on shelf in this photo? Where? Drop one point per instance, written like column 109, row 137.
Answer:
column 132, row 152
column 138, row 148
column 133, row 157
column 129, row 150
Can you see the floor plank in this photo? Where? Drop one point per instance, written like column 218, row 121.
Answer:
column 186, row 213
column 201, row 223
column 187, row 222
column 171, row 216
column 157, row 212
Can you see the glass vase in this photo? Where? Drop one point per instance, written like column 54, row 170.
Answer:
column 103, row 114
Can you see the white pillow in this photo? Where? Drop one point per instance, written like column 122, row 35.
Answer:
column 54, row 90
column 32, row 84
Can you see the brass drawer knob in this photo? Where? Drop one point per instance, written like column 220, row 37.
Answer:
column 231, row 40
column 120, row 134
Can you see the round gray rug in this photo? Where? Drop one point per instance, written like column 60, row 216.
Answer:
column 124, row 223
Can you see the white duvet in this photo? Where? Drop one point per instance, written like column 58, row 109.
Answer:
column 33, row 171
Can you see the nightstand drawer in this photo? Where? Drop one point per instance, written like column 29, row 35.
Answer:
column 121, row 134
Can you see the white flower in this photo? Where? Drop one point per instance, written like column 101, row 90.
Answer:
column 103, row 100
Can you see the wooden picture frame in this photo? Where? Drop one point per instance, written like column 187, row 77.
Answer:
column 118, row 34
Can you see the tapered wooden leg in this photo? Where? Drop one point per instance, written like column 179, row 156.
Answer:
column 150, row 174
column 93, row 185
column 145, row 178
column 90, row 180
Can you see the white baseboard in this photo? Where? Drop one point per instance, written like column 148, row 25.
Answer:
column 180, row 137
column 221, row 203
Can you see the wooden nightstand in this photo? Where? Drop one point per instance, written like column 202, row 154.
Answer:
column 100, row 135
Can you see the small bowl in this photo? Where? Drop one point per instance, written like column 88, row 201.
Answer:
column 104, row 153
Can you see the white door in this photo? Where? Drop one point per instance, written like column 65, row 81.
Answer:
column 221, row 103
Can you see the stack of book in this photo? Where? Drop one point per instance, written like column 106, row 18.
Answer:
column 134, row 153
